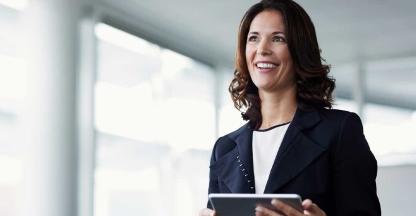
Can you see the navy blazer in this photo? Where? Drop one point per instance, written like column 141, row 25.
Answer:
column 324, row 157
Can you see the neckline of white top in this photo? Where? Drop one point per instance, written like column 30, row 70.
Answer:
column 272, row 127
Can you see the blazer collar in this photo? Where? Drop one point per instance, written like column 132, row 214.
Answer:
column 296, row 151
column 302, row 120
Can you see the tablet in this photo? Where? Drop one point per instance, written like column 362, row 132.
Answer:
column 245, row 204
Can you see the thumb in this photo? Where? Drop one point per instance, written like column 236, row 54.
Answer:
column 309, row 206
column 207, row 212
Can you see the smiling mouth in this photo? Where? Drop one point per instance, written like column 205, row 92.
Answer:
column 265, row 66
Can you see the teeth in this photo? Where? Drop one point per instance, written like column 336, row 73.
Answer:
column 265, row 65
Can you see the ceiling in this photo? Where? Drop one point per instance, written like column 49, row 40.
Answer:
column 354, row 31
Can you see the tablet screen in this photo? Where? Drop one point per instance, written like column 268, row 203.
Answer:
column 245, row 204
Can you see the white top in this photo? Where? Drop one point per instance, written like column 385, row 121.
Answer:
column 266, row 143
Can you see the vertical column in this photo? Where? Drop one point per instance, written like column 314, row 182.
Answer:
column 86, row 129
column 359, row 88
column 50, row 116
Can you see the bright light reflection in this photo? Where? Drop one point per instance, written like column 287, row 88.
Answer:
column 230, row 120
column 126, row 112
column 12, row 168
column 182, row 119
column 13, row 78
column 125, row 40
column 414, row 117
column 15, row 4
column 390, row 133
column 391, row 138
column 173, row 63
column 111, row 181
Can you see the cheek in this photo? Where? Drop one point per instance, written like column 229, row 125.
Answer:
column 285, row 54
column 249, row 53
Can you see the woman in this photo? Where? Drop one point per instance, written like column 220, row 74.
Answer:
column 294, row 142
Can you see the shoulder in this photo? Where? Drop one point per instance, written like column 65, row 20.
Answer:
column 347, row 130
column 335, row 114
column 332, row 125
column 339, row 118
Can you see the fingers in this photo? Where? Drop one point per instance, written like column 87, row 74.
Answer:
column 262, row 211
column 311, row 208
column 206, row 212
column 285, row 208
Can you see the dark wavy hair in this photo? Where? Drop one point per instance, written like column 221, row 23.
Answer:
column 314, row 86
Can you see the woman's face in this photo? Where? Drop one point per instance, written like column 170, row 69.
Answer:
column 267, row 53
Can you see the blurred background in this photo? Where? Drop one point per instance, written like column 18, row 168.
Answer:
column 111, row 108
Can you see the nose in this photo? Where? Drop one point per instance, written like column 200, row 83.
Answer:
column 263, row 48
column 264, row 52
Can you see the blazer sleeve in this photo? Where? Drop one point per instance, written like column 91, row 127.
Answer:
column 354, row 172
column 213, row 178
column 222, row 146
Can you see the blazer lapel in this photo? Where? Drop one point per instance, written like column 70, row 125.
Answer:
column 244, row 145
column 295, row 152
column 236, row 167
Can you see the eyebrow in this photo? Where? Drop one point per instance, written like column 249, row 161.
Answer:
column 277, row 32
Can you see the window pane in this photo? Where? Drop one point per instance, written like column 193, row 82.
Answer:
column 391, row 133
column 391, row 127
column 12, row 95
column 229, row 117
column 148, row 103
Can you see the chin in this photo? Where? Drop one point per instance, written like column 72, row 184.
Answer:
column 264, row 87
column 263, row 84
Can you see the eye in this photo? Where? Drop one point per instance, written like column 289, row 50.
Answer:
column 252, row 38
column 279, row 39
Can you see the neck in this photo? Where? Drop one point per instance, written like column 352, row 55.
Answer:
column 277, row 107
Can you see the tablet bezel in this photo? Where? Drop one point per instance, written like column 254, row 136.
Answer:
column 249, row 201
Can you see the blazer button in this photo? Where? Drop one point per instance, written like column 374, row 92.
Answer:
column 245, row 175
column 252, row 188
column 241, row 165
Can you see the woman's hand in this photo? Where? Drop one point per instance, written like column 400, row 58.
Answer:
column 206, row 212
column 309, row 208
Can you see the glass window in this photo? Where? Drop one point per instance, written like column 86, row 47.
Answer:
column 229, row 117
column 388, row 109
column 155, row 121
column 15, row 4
column 391, row 133
column 12, row 92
